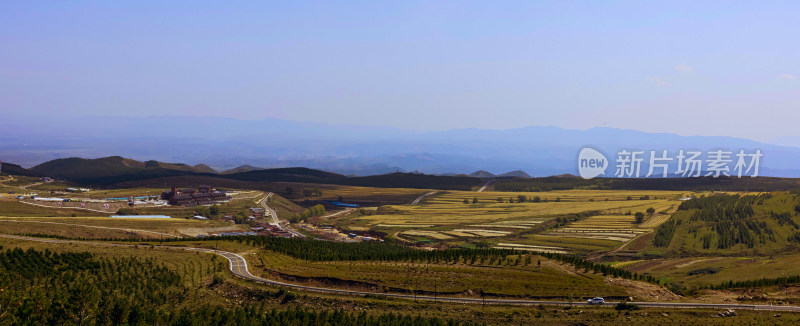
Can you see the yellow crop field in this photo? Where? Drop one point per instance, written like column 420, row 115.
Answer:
column 441, row 212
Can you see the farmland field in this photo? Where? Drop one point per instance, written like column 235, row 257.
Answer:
column 513, row 217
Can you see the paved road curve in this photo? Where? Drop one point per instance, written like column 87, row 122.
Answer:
column 275, row 219
column 238, row 266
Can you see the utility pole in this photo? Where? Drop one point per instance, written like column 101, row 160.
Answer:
column 435, row 290
column 416, row 285
column 483, row 295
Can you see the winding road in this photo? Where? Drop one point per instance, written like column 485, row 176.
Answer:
column 238, row 266
column 275, row 219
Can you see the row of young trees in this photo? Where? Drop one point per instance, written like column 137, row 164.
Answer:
column 315, row 250
column 754, row 283
column 46, row 288
column 784, row 218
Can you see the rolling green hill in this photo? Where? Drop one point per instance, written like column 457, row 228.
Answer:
column 296, row 174
column 113, row 168
column 8, row 168
column 414, row 180
column 762, row 224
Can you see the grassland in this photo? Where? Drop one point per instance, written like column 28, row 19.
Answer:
column 105, row 227
column 12, row 207
column 284, row 207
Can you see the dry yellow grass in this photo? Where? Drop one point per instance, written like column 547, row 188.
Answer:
column 104, row 226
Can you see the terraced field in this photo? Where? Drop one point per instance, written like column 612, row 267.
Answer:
column 449, row 209
column 499, row 215
column 609, row 227
column 596, row 233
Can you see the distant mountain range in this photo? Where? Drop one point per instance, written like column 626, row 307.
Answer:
column 235, row 146
column 80, row 168
column 117, row 171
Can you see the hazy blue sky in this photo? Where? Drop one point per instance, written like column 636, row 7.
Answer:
column 695, row 67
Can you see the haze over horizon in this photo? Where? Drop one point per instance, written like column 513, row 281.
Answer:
column 710, row 68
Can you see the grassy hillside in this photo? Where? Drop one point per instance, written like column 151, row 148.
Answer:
column 111, row 169
column 412, row 180
column 762, row 224
column 13, row 169
column 297, row 174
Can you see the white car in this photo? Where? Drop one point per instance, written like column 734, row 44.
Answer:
column 597, row 300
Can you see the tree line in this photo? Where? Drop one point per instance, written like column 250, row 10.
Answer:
column 762, row 282
column 46, row 288
column 316, row 250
